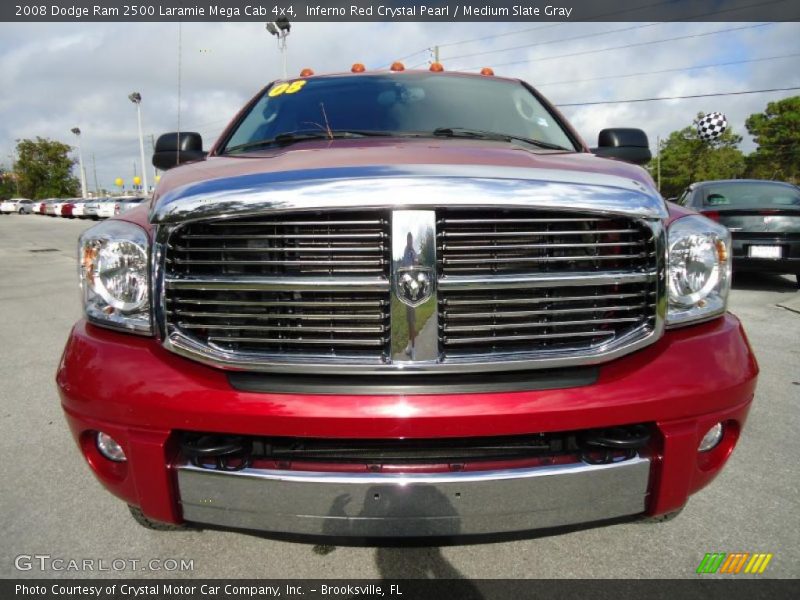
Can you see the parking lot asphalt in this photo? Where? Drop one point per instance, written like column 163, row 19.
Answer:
column 53, row 506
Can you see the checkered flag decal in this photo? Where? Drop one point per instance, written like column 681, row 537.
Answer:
column 712, row 126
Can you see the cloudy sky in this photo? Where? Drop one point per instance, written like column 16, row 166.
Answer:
column 57, row 76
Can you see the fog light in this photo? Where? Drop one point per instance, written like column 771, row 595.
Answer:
column 711, row 438
column 109, row 447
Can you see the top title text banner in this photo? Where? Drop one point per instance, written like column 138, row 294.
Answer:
column 397, row 10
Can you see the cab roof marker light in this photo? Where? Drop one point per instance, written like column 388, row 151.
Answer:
column 487, row 71
column 397, row 66
column 357, row 68
column 437, row 67
column 306, row 72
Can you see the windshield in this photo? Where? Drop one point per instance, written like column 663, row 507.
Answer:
column 399, row 104
column 751, row 195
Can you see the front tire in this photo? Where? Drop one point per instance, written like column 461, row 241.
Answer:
column 147, row 523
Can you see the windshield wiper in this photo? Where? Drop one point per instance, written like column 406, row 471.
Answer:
column 480, row 134
column 292, row 137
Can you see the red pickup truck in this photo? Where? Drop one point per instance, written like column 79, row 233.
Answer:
column 405, row 303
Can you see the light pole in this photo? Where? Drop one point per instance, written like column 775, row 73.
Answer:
column 658, row 163
column 136, row 98
column 14, row 171
column 77, row 132
column 280, row 29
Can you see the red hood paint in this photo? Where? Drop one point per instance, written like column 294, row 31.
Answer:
column 319, row 154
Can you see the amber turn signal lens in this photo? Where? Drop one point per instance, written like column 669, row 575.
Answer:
column 437, row 67
column 487, row 71
column 722, row 250
column 358, row 68
column 306, row 72
column 397, row 66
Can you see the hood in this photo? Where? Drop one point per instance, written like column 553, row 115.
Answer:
column 395, row 157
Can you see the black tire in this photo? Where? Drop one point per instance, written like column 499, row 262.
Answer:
column 662, row 518
column 147, row 523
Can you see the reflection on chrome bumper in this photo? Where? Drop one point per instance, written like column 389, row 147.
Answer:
column 429, row 504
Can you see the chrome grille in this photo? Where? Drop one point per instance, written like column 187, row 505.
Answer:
column 508, row 242
column 532, row 282
column 318, row 244
column 308, row 322
column 543, row 319
column 516, row 287
column 307, row 284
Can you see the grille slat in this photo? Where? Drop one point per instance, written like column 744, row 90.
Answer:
column 285, row 328
column 452, row 248
column 547, row 233
column 518, row 338
column 522, row 301
column 284, row 316
column 294, row 236
column 290, row 284
column 301, row 223
column 296, row 249
column 286, row 304
column 301, row 341
column 515, row 314
column 459, row 260
column 281, row 263
column 508, row 326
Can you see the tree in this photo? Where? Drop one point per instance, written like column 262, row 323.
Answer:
column 7, row 184
column 777, row 133
column 686, row 158
column 44, row 169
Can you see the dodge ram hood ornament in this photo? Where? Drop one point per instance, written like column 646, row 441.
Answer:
column 413, row 285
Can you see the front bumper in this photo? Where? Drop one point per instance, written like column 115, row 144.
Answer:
column 141, row 394
column 415, row 504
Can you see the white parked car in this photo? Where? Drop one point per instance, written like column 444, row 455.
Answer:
column 100, row 208
column 15, row 205
column 126, row 203
column 26, row 207
column 78, row 208
column 53, row 209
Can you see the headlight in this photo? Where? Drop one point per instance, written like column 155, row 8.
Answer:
column 113, row 268
column 699, row 276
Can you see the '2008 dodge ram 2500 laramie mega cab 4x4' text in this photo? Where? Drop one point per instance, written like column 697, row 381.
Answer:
column 405, row 303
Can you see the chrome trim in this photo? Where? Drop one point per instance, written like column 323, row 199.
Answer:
column 419, row 188
column 422, row 504
column 413, row 186
column 289, row 284
column 407, row 312
column 508, row 282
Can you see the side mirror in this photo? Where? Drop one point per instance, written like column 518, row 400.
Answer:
column 173, row 149
column 625, row 144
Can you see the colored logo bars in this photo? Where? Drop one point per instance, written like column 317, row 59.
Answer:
column 734, row 563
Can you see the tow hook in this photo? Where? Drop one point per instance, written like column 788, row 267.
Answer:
column 218, row 452
column 604, row 446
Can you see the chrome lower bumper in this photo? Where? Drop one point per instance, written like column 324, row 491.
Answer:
column 430, row 504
